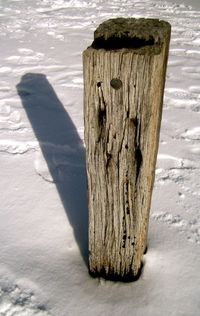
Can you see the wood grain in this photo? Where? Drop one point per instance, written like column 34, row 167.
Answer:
column 123, row 97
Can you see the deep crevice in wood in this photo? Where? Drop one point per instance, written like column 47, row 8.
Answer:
column 109, row 157
column 138, row 158
column 102, row 116
column 121, row 42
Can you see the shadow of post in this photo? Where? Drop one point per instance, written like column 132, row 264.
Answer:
column 59, row 142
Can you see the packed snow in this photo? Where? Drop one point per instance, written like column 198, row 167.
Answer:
column 43, row 212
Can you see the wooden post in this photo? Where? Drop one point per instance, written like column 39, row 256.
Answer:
column 124, row 77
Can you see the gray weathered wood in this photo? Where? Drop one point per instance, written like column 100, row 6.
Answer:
column 124, row 77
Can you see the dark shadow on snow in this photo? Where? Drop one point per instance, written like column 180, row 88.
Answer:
column 59, row 140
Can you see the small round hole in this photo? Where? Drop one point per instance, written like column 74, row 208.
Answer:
column 99, row 84
column 116, row 83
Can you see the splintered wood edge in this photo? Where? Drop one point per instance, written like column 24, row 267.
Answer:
column 142, row 35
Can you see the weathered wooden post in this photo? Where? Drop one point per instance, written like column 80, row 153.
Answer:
column 124, row 77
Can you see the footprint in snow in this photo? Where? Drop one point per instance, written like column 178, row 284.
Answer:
column 17, row 302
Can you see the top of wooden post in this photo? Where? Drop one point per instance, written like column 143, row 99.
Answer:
column 143, row 35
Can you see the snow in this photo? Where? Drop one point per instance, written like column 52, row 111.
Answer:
column 43, row 209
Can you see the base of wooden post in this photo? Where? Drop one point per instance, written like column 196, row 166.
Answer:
column 129, row 277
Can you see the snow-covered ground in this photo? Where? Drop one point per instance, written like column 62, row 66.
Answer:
column 43, row 206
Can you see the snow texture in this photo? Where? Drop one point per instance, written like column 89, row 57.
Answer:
column 43, row 209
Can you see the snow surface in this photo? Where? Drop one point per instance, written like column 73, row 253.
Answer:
column 43, row 209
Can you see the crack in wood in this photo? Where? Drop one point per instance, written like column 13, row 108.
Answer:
column 138, row 152
column 101, row 112
column 138, row 158
column 108, row 160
